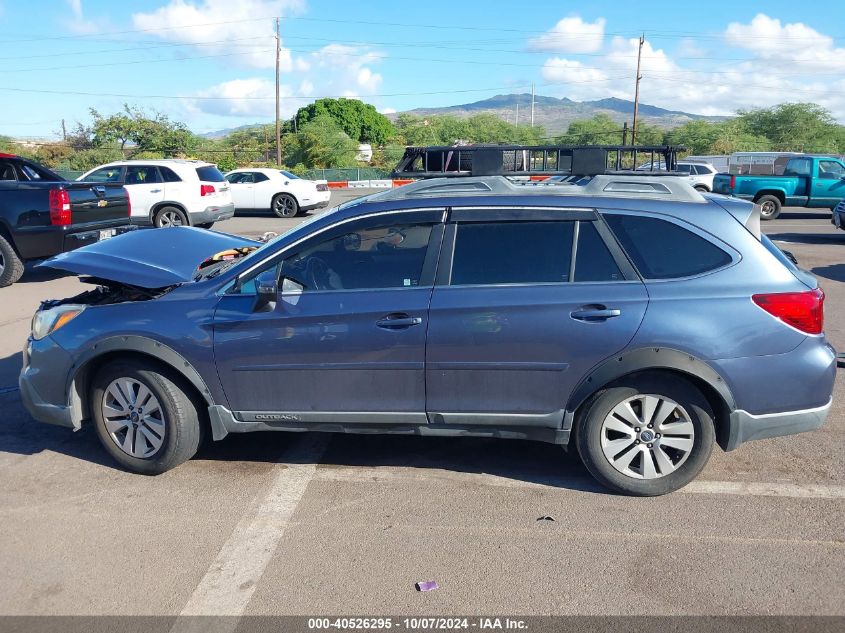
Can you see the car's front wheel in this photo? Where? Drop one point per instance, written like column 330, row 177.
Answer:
column 144, row 417
column 646, row 436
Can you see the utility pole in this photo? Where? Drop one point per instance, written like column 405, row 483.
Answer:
column 637, row 91
column 625, row 133
column 278, row 124
column 532, row 105
column 516, row 121
column 64, row 131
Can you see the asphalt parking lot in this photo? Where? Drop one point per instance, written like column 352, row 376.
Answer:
column 320, row 524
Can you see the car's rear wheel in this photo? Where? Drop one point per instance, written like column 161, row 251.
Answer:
column 646, row 436
column 285, row 205
column 701, row 188
column 11, row 266
column 769, row 207
column 144, row 417
column 170, row 216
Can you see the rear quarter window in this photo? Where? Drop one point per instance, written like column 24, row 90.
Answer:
column 210, row 173
column 663, row 250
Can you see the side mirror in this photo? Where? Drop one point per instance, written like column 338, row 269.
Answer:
column 266, row 291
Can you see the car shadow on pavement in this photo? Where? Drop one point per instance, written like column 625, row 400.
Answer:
column 519, row 460
column 21, row 435
column 836, row 272
column 32, row 274
column 808, row 238
column 524, row 461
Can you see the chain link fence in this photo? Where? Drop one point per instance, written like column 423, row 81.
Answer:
column 351, row 173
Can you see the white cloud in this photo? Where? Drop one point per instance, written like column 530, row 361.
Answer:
column 254, row 97
column 81, row 25
column 571, row 35
column 199, row 22
column 783, row 69
column 334, row 70
column 796, row 43
column 388, row 110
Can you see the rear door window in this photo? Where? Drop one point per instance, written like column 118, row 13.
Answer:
column 210, row 173
column 512, row 253
column 593, row 261
column 664, row 250
column 141, row 175
column 168, row 175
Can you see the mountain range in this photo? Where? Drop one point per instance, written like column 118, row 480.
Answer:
column 552, row 113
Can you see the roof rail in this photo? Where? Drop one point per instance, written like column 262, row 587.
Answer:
column 532, row 160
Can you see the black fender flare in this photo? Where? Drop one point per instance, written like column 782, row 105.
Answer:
column 79, row 375
column 650, row 358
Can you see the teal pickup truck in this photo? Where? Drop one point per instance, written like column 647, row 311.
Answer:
column 807, row 181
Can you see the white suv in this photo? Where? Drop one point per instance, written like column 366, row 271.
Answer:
column 170, row 192
column 700, row 174
column 280, row 191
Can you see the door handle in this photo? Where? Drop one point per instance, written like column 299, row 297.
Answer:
column 398, row 321
column 595, row 313
column 155, row 190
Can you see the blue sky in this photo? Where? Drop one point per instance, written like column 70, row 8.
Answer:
column 210, row 62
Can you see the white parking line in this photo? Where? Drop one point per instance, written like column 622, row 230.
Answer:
column 761, row 489
column 230, row 581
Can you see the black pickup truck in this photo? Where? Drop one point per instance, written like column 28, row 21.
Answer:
column 42, row 214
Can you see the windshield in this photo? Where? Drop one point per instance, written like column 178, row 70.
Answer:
column 287, row 174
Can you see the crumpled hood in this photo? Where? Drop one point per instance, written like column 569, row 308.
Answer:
column 149, row 258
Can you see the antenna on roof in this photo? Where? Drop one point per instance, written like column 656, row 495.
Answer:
column 534, row 160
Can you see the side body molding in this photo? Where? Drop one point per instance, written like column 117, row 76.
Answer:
column 643, row 359
column 76, row 387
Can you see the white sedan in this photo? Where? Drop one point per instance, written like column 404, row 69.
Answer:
column 284, row 193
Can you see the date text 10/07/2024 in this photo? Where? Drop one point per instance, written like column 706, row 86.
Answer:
column 419, row 623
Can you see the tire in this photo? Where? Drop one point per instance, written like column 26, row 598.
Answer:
column 770, row 207
column 693, row 426
column 170, row 216
column 284, row 205
column 205, row 225
column 174, row 425
column 11, row 265
column 702, row 189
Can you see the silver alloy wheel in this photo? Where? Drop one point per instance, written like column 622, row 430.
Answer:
column 134, row 418
column 170, row 218
column 767, row 208
column 284, row 206
column 647, row 436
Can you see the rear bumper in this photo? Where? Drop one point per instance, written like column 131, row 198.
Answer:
column 213, row 214
column 317, row 205
column 84, row 238
column 745, row 426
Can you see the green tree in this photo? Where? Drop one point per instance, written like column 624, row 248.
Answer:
column 793, row 127
column 599, row 130
column 133, row 131
column 319, row 143
column 360, row 121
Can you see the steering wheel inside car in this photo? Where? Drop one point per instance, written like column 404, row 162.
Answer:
column 318, row 274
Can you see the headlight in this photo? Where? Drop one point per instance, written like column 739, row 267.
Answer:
column 47, row 321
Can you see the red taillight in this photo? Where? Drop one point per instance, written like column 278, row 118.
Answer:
column 59, row 207
column 207, row 190
column 802, row 310
column 128, row 201
column 733, row 182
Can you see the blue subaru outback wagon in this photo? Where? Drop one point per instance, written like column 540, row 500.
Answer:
column 629, row 317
